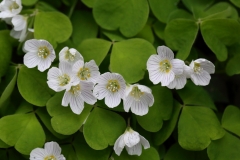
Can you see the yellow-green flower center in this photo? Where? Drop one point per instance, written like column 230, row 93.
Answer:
column 50, row 158
column 63, row 80
column 197, row 68
column 165, row 66
column 84, row 73
column 43, row 52
column 69, row 56
column 113, row 86
column 136, row 93
column 75, row 89
column 14, row 5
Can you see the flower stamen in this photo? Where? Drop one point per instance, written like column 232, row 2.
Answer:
column 13, row 6
column 63, row 80
column 69, row 56
column 75, row 89
column 113, row 86
column 43, row 52
column 50, row 158
column 165, row 66
column 197, row 68
column 136, row 93
column 84, row 73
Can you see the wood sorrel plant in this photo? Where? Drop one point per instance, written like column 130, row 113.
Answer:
column 84, row 79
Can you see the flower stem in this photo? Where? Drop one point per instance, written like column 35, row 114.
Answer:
column 72, row 8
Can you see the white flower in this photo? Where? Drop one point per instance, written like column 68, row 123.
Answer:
column 88, row 71
column 200, row 71
column 162, row 67
column 20, row 27
column 110, row 86
column 132, row 141
column 39, row 53
column 69, row 55
column 79, row 94
column 61, row 78
column 10, row 8
column 51, row 151
column 138, row 98
column 180, row 80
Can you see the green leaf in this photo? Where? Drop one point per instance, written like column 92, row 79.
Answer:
column 83, row 150
column 89, row 3
column 197, row 126
column 146, row 33
column 64, row 121
column 95, row 49
column 177, row 37
column 9, row 89
column 24, row 107
column 3, row 145
column 159, row 28
column 113, row 35
column 29, row 2
column 175, row 152
column 46, row 119
column 147, row 154
column 180, row 13
column 233, row 65
column 84, row 26
column 129, row 58
column 54, row 27
column 236, row 2
column 33, row 87
column 163, row 8
column 168, row 126
column 18, row 130
column 129, row 16
column 224, row 148
column 69, row 152
column 218, row 34
column 195, row 95
column 161, row 109
column 231, row 119
column 102, row 128
column 6, row 51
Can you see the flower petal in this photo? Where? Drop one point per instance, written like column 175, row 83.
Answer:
column 119, row 145
column 167, row 78
column 100, row 91
column 38, row 154
column 134, row 150
column 131, row 138
column 177, row 66
column 153, row 62
column 76, row 104
column 144, row 142
column 19, row 22
column 86, row 92
column 32, row 45
column 165, row 52
column 206, row 65
column 112, row 100
column 52, row 148
column 31, row 59
column 201, row 79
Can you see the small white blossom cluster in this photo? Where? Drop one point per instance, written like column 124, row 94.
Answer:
column 10, row 10
column 173, row 73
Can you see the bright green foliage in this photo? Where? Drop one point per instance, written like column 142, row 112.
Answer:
column 69, row 152
column 54, row 27
column 127, row 16
column 163, row 8
column 64, row 121
column 235, row 2
column 231, row 120
column 192, row 95
column 12, row 78
column 149, row 154
column 158, row 28
column 3, row 145
column 233, row 65
column 177, row 153
column 161, row 110
column 225, row 148
column 84, row 26
column 218, row 33
column 129, row 58
column 100, row 132
column 180, row 14
column 113, row 35
column 146, row 33
column 168, row 126
column 89, row 3
column 29, row 2
column 18, row 130
column 6, row 51
column 180, row 35
column 95, row 49
column 29, row 81
column 197, row 126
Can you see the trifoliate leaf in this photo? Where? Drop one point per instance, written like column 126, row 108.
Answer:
column 18, row 130
column 197, row 127
column 233, row 65
column 163, row 8
column 180, row 13
column 218, row 34
column 54, row 27
column 102, row 128
column 33, row 87
column 64, row 121
column 146, row 33
column 113, row 35
column 177, row 37
column 84, row 26
column 224, row 148
column 161, row 109
column 94, row 49
column 168, row 126
column 129, row 58
column 231, row 119
column 127, row 16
